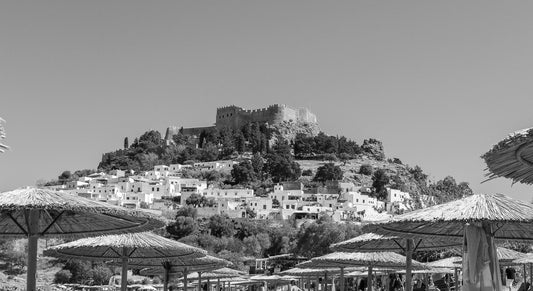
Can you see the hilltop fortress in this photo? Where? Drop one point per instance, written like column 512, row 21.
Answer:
column 235, row 117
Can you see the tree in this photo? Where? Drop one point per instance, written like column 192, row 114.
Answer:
column 220, row 225
column 366, row 169
column 258, row 164
column 126, row 143
column 315, row 238
column 196, row 200
column 280, row 164
column 282, row 168
column 150, row 139
column 182, row 227
column 379, row 180
column 243, row 173
column 187, row 212
column 64, row 176
column 328, row 172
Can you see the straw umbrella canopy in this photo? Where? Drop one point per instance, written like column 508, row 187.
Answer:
column 140, row 246
column 36, row 213
column 181, row 265
column 526, row 260
column 3, row 147
column 372, row 242
column 367, row 259
column 493, row 216
column 218, row 274
column 512, row 157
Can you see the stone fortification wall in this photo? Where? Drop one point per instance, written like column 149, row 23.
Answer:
column 234, row 116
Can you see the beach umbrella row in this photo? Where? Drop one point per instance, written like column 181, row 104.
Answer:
column 38, row 213
column 371, row 242
column 137, row 246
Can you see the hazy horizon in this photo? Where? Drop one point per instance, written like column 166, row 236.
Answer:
column 437, row 82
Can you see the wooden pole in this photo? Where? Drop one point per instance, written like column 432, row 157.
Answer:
column 218, row 284
column 199, row 281
column 124, row 278
column 409, row 264
column 342, row 279
column 530, row 273
column 166, row 265
column 525, row 275
column 309, row 283
column 456, row 278
column 369, row 279
column 326, row 281
column 185, row 280
column 32, row 217
column 208, row 284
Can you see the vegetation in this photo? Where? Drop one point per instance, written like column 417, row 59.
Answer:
column 234, row 239
column 322, row 145
column 328, row 172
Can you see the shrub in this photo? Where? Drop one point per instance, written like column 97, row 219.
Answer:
column 366, row 169
column 62, row 277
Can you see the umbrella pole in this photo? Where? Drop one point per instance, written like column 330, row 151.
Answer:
column 456, row 279
column 218, row 284
column 185, row 280
column 33, row 238
column 124, row 278
column 309, row 283
column 409, row 264
column 199, row 281
column 208, row 285
column 167, row 275
column 326, row 281
column 530, row 273
column 369, row 279
column 525, row 274
column 342, row 279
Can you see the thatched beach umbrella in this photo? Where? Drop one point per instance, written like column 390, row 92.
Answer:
column 218, row 274
column 365, row 259
column 476, row 218
column 174, row 266
column 373, row 242
column 36, row 213
column 526, row 260
column 512, row 157
column 3, row 147
column 141, row 246
column 308, row 273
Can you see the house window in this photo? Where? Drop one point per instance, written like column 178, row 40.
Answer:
column 264, row 207
column 287, row 206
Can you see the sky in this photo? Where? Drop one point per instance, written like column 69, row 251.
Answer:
column 439, row 82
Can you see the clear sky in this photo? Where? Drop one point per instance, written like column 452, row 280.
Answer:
column 438, row 82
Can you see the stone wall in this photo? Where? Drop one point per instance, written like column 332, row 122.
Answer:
column 235, row 117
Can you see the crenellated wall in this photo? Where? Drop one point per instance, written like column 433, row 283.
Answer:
column 234, row 116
